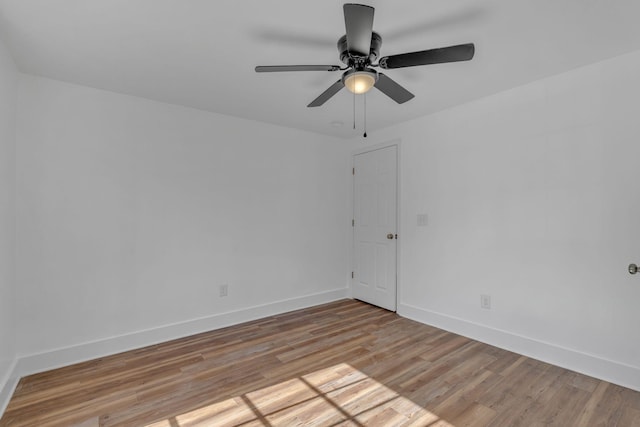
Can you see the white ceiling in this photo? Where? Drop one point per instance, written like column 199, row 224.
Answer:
column 202, row 53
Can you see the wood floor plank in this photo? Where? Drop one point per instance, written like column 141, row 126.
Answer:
column 630, row 417
column 567, row 405
column 591, row 407
column 340, row 364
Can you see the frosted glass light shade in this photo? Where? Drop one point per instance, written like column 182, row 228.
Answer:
column 360, row 82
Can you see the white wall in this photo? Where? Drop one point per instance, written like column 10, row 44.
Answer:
column 132, row 213
column 8, row 93
column 532, row 197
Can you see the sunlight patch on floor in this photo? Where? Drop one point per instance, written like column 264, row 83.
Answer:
column 336, row 396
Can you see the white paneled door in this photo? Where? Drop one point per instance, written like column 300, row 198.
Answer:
column 375, row 211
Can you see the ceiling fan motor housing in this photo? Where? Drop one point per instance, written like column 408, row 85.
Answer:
column 356, row 60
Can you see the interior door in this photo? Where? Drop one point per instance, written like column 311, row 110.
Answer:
column 375, row 179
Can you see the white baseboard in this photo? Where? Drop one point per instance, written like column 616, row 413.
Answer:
column 41, row 362
column 8, row 386
column 588, row 364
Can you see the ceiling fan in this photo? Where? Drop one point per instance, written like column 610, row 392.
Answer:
column 359, row 49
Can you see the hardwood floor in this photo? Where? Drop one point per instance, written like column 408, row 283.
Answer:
column 344, row 363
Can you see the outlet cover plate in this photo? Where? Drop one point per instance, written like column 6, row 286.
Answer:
column 485, row 302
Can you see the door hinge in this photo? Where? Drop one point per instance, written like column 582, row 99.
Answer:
column 353, row 171
column 353, row 275
column 353, row 222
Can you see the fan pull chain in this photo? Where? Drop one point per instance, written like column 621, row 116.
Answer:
column 365, row 116
column 354, row 111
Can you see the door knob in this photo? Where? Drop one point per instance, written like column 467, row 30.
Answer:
column 390, row 236
column 633, row 269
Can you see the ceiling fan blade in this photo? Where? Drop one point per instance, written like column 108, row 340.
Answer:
column 462, row 52
column 275, row 68
column 358, row 21
column 392, row 89
column 324, row 97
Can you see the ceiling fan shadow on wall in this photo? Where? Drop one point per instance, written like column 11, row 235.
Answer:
column 359, row 49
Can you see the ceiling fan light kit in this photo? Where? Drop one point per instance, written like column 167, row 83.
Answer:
column 359, row 81
column 359, row 48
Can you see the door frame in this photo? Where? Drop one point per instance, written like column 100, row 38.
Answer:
column 392, row 143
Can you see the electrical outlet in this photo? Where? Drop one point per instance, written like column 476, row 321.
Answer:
column 485, row 302
column 422, row 220
column 224, row 290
